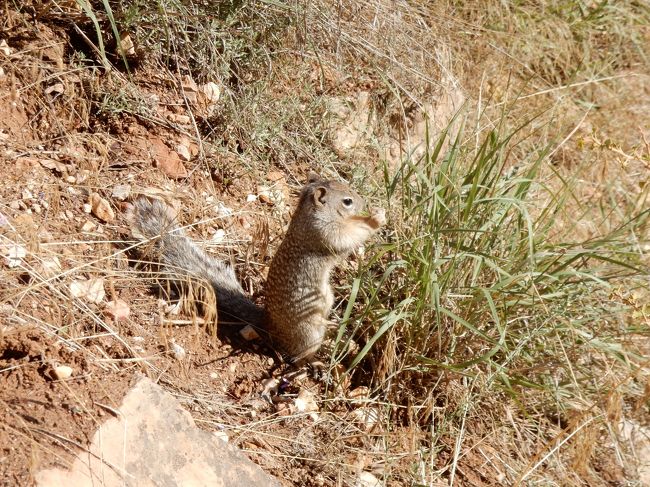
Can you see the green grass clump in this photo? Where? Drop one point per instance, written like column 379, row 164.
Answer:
column 485, row 275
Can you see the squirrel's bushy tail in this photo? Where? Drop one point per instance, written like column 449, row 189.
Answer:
column 180, row 258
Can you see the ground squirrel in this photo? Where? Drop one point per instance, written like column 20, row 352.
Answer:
column 326, row 226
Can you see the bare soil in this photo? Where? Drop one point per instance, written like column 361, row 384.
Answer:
column 57, row 147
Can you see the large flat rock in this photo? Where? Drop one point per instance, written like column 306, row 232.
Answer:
column 155, row 442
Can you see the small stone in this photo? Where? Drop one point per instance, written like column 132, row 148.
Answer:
column 101, row 208
column 61, row 372
column 250, row 198
column 50, row 266
column 88, row 208
column 223, row 210
column 87, row 226
column 183, row 152
column 126, row 46
column 56, row 88
column 121, row 191
column 367, row 416
column 249, row 333
column 219, row 235
column 118, row 310
column 270, row 196
column 14, row 255
column 212, row 91
column 5, row 49
column 180, row 119
column 306, row 402
column 177, row 351
column 366, row 479
column 92, row 290
column 214, row 375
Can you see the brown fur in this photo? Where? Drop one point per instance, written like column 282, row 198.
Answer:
column 324, row 229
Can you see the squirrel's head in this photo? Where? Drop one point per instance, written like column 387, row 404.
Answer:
column 337, row 200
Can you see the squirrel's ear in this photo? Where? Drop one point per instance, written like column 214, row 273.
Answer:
column 319, row 195
column 312, row 177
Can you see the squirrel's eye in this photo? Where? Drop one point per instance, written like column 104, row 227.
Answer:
column 347, row 202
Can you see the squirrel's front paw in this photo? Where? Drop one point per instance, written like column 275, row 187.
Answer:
column 378, row 216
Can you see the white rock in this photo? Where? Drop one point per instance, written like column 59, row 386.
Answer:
column 61, row 372
column 88, row 226
column 121, row 191
column 183, row 152
column 212, row 91
column 250, row 198
column 5, row 49
column 219, row 235
column 306, row 402
column 51, row 266
column 14, row 254
column 178, row 352
column 92, row 290
column 223, row 210
column 118, row 309
column 366, row 479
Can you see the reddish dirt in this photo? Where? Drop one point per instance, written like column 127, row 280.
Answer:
column 55, row 150
column 43, row 421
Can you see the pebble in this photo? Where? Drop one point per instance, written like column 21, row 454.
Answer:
column 61, row 372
